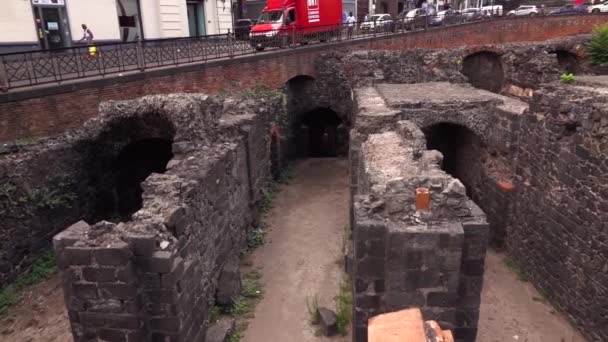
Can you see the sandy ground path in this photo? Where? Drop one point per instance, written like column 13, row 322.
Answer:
column 300, row 257
column 513, row 310
column 300, row 260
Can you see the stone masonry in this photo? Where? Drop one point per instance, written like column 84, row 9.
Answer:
column 402, row 257
column 155, row 275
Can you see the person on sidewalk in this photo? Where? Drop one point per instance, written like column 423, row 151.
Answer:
column 350, row 22
column 87, row 36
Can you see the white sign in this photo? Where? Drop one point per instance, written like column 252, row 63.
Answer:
column 49, row 2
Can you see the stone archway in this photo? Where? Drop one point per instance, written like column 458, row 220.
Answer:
column 118, row 160
column 568, row 61
column 320, row 134
column 484, row 70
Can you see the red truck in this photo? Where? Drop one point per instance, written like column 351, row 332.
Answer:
column 296, row 21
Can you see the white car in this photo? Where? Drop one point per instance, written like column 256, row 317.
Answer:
column 378, row 22
column 494, row 11
column 599, row 8
column 524, row 10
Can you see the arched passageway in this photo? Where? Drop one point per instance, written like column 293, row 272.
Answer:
column 466, row 157
column 568, row 61
column 118, row 160
column 462, row 152
column 320, row 133
column 484, row 70
column 132, row 166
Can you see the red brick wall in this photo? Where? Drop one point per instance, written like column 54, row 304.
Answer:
column 48, row 111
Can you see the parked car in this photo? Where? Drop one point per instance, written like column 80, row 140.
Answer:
column 472, row 14
column 599, row 8
column 524, row 10
column 493, row 11
column 415, row 18
column 378, row 23
column 242, row 28
column 569, row 9
column 448, row 17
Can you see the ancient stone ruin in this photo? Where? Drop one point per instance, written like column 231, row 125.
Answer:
column 449, row 150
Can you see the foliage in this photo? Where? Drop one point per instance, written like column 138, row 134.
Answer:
column 344, row 302
column 567, row 78
column 515, row 267
column 598, row 46
column 312, row 304
column 20, row 201
column 262, row 91
column 42, row 267
column 250, row 285
column 255, row 239
column 251, row 293
column 286, row 175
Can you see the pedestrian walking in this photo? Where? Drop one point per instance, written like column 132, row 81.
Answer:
column 350, row 22
column 87, row 36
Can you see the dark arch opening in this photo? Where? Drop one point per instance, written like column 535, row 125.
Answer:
column 466, row 157
column 461, row 149
column 299, row 82
column 484, row 70
column 132, row 166
column 319, row 134
column 122, row 156
column 568, row 61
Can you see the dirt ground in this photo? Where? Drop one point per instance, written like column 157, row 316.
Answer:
column 40, row 316
column 300, row 257
column 513, row 310
column 300, row 260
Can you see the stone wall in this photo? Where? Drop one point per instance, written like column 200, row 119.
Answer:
column 557, row 232
column 50, row 110
column 517, row 67
column 51, row 184
column 155, row 276
column 403, row 257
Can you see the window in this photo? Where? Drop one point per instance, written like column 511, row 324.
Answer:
column 291, row 16
column 271, row 17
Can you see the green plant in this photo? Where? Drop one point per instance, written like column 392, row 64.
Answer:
column 42, row 267
column 516, row 268
column 255, row 239
column 567, row 78
column 237, row 334
column 344, row 302
column 251, row 286
column 286, row 174
column 598, row 46
column 21, row 201
column 312, row 304
column 251, row 292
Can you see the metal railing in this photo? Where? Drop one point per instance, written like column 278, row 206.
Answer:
column 26, row 69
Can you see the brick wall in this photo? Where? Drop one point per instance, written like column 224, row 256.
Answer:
column 50, row 110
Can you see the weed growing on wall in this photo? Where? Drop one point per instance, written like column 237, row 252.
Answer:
column 344, row 303
column 242, row 308
column 598, row 46
column 42, row 268
column 567, row 78
column 518, row 270
column 18, row 202
column 312, row 304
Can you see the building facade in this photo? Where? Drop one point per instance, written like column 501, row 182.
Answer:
column 52, row 24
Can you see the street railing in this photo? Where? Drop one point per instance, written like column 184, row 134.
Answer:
column 26, row 69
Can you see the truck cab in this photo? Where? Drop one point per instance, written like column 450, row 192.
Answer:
column 285, row 22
